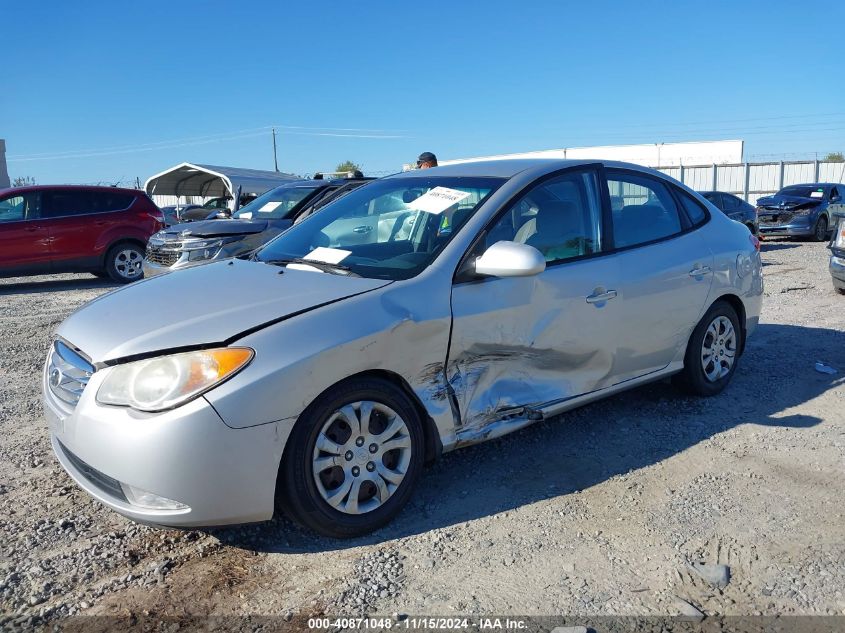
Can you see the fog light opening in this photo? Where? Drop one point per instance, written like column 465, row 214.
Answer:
column 144, row 499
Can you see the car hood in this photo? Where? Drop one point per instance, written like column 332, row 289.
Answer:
column 779, row 202
column 215, row 228
column 200, row 306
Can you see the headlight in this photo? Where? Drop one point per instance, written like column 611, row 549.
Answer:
column 202, row 249
column 165, row 382
column 803, row 211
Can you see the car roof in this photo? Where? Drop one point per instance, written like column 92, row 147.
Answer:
column 78, row 187
column 508, row 168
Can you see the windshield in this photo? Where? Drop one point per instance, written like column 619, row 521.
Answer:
column 389, row 229
column 803, row 191
column 216, row 203
column 275, row 204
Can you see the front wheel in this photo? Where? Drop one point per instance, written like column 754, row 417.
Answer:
column 820, row 231
column 124, row 262
column 711, row 356
column 353, row 459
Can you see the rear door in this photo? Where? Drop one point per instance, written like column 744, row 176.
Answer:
column 69, row 217
column 24, row 241
column 665, row 267
column 530, row 341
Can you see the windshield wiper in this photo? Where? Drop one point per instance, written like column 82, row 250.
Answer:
column 323, row 266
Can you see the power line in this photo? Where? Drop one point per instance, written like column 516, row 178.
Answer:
column 204, row 140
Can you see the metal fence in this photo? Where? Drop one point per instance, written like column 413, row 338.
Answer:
column 751, row 181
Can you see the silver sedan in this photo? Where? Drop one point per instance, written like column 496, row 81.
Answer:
column 420, row 313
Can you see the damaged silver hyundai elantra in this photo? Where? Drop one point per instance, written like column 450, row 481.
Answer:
column 420, row 313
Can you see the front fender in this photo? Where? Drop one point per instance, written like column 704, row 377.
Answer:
column 401, row 328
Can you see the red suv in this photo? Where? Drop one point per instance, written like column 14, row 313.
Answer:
column 63, row 229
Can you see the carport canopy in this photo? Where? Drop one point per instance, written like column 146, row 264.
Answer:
column 189, row 179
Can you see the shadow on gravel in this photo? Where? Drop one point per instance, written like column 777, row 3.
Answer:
column 766, row 246
column 587, row 446
column 55, row 285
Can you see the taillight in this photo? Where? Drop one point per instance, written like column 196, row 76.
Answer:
column 754, row 242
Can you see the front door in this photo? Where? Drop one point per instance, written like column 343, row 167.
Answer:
column 529, row 341
column 24, row 242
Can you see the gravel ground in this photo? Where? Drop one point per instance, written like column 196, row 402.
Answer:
column 611, row 509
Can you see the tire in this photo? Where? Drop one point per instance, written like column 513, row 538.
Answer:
column 710, row 378
column 342, row 465
column 124, row 262
column 820, row 230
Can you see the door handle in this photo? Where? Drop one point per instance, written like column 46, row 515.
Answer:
column 362, row 229
column 601, row 297
column 698, row 271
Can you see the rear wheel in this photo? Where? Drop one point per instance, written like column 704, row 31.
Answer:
column 124, row 262
column 712, row 352
column 353, row 459
column 820, row 231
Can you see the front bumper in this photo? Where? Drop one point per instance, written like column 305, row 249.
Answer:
column 837, row 271
column 797, row 228
column 151, row 269
column 220, row 475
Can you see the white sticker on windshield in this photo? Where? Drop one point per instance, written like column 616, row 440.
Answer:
column 327, row 255
column 438, row 199
column 245, row 216
column 269, row 207
column 817, row 194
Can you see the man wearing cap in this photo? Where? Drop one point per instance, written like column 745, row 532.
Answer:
column 426, row 160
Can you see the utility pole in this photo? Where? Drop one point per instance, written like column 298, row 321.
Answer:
column 275, row 158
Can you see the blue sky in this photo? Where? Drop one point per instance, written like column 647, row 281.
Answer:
column 105, row 91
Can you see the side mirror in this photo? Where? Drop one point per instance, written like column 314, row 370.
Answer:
column 510, row 259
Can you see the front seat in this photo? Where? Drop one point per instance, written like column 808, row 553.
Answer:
column 557, row 230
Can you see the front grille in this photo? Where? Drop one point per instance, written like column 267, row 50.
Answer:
column 162, row 256
column 775, row 218
column 103, row 482
column 67, row 373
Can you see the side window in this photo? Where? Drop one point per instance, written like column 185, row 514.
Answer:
column 731, row 203
column 695, row 212
column 560, row 217
column 62, row 203
column 106, row 201
column 834, row 193
column 17, row 207
column 648, row 211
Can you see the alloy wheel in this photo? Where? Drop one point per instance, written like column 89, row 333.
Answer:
column 718, row 349
column 361, row 456
column 128, row 263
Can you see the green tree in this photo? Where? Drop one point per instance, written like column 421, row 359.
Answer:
column 835, row 157
column 348, row 165
column 23, row 181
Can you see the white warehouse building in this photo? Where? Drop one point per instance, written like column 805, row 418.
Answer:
column 647, row 154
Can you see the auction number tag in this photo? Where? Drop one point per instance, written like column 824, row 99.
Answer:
column 327, row 255
column 438, row 199
column 269, row 207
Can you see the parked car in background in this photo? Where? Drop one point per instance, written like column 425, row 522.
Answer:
column 210, row 208
column 173, row 213
column 420, row 313
column 73, row 229
column 801, row 211
column 837, row 255
column 734, row 207
column 184, row 245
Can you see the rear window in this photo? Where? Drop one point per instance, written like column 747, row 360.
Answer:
column 107, row 201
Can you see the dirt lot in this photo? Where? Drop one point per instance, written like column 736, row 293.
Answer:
column 603, row 511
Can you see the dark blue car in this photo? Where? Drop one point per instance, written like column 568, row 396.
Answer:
column 801, row 211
